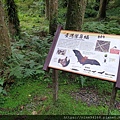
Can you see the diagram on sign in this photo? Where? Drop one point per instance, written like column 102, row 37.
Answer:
column 102, row 46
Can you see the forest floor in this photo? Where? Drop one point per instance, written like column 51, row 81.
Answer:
column 36, row 98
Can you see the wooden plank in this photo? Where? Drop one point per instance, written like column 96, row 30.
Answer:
column 47, row 61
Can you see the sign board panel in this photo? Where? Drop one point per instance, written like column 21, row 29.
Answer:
column 90, row 54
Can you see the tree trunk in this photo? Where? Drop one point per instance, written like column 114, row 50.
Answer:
column 5, row 48
column 75, row 14
column 102, row 9
column 75, row 17
column 12, row 17
column 53, row 16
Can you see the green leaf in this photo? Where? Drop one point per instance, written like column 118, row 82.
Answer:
column 4, row 92
column 1, row 83
column 32, row 63
column 16, row 71
column 1, row 89
column 82, row 80
column 28, row 72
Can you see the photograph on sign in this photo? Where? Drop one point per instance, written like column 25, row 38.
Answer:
column 90, row 54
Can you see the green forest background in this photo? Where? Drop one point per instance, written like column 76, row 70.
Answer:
column 28, row 90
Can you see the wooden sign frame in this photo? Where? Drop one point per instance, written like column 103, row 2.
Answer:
column 47, row 66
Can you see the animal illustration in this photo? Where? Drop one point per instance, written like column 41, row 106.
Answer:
column 109, row 74
column 93, row 71
column 64, row 62
column 84, row 60
column 101, row 72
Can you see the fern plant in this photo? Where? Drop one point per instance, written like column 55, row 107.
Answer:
column 2, row 86
column 109, row 27
column 28, row 58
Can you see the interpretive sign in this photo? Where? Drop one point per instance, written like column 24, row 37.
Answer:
column 90, row 54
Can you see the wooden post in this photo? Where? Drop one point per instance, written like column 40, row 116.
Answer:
column 112, row 100
column 47, row 61
column 55, row 85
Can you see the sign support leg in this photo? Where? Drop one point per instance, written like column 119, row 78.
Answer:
column 112, row 100
column 55, row 85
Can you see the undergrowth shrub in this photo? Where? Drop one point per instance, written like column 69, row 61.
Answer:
column 114, row 11
column 2, row 86
column 91, row 9
column 105, row 27
column 81, row 80
column 28, row 57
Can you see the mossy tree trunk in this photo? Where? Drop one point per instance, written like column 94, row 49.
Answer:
column 53, row 14
column 102, row 9
column 75, row 17
column 75, row 14
column 5, row 48
column 14, row 26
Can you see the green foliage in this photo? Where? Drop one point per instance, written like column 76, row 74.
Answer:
column 62, row 16
column 81, row 80
column 31, row 15
column 28, row 58
column 62, row 10
column 91, row 9
column 114, row 112
column 2, row 100
column 24, row 99
column 115, row 11
column 90, row 13
column 1, row 87
column 110, row 27
column 2, row 92
column 117, row 2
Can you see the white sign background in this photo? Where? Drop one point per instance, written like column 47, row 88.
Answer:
column 90, row 54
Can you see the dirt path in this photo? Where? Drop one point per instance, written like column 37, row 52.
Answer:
column 90, row 96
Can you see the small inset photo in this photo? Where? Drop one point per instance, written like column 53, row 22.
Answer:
column 64, row 61
column 102, row 46
column 61, row 51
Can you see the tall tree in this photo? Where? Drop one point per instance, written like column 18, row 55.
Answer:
column 53, row 14
column 102, row 9
column 12, row 17
column 5, row 48
column 75, row 14
column 75, row 17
